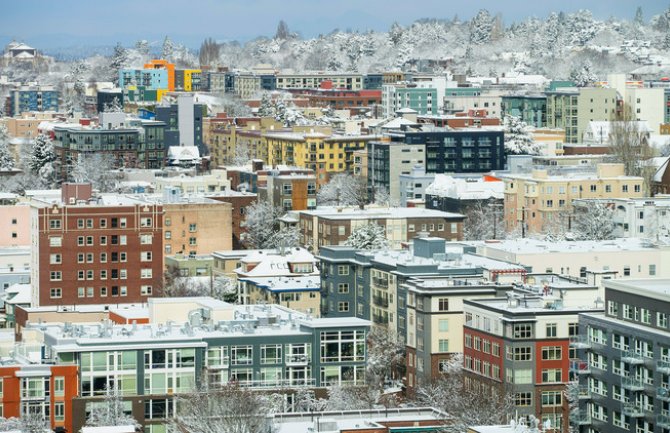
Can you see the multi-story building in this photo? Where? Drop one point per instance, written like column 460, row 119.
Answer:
column 26, row 126
column 157, row 74
column 239, row 201
column 264, row 347
column 333, row 225
column 15, row 218
column 315, row 81
column 544, row 197
column 646, row 103
column 247, row 85
column 530, row 109
column 413, row 186
column 216, row 181
column 32, row 98
column 387, row 160
column 92, row 250
column 522, row 342
column 647, row 217
column 321, row 150
column 572, row 109
column 133, row 143
column 14, row 265
column 291, row 189
column 457, row 194
column 395, row 97
column 337, row 99
column 183, row 122
column 235, row 140
column 464, row 99
column 287, row 277
column 625, row 359
column 188, row 80
column 626, row 257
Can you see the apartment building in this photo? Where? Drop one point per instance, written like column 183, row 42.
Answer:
column 287, row 277
column 626, row 257
column 87, row 250
column 625, row 359
column 530, row 109
column 32, row 98
column 458, row 100
column 572, row 109
column 318, row 149
column 395, row 97
column 388, row 160
column 183, row 122
column 647, row 217
column 264, row 347
column 333, row 226
column 239, row 201
column 544, row 197
column 646, row 103
column 216, row 181
column 522, row 342
column 291, row 189
column 233, row 139
column 315, row 81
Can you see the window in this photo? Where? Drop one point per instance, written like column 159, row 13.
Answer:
column 89, row 240
column 552, row 353
column 122, row 223
column 103, row 240
column 55, row 259
column 626, row 271
column 123, row 240
column 523, row 330
column 103, row 257
column 636, row 188
column 168, row 234
column 342, row 307
column 443, row 304
column 145, row 290
column 523, row 399
column 59, row 386
column 81, row 292
column 192, row 227
column 343, row 270
column 103, row 223
column 624, row 188
column 55, row 293
column 59, row 411
column 551, row 375
column 652, row 270
column 54, row 224
column 551, row 330
column 552, row 398
column 146, row 273
column 443, row 325
column 523, row 353
column 80, row 241
column 343, row 288
column 145, row 256
column 241, row 355
column 443, row 345
column 145, row 222
column 146, row 239
column 55, row 241
column 56, row 276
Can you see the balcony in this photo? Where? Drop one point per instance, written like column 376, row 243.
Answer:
column 278, row 383
column 380, row 301
column 584, row 393
column 663, row 366
column 582, row 418
column 632, row 384
column 663, row 421
column 380, row 319
column 632, row 410
column 580, row 342
column 379, row 282
column 663, row 394
column 632, row 357
column 296, row 360
column 580, row 367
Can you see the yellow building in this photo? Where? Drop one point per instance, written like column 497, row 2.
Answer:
column 192, row 79
column 316, row 148
column 543, row 200
column 227, row 139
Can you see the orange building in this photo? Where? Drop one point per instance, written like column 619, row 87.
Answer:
column 163, row 64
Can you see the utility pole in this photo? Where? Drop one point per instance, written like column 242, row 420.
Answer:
column 523, row 222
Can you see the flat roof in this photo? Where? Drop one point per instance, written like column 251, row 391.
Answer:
column 349, row 213
column 535, row 246
column 656, row 288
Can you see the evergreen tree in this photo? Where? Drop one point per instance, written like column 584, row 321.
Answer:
column 6, row 159
column 117, row 62
column 168, row 49
column 42, row 154
column 142, row 47
column 481, row 27
column 639, row 19
column 283, row 32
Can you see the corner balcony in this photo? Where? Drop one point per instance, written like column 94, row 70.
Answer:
column 632, row 410
column 663, row 366
column 663, row 394
column 297, row 360
column 581, row 418
column 663, row 421
column 580, row 367
column 584, row 393
column 580, row 342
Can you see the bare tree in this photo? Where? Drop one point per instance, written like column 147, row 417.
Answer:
column 629, row 145
column 482, row 222
column 386, row 356
column 263, row 229
column 218, row 287
column 209, row 52
column 594, row 222
column 344, row 190
column 228, row 408
column 110, row 412
column 467, row 403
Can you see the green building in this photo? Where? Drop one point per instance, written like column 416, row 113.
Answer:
column 531, row 109
column 423, row 100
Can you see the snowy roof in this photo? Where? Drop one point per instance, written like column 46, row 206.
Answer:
column 274, row 264
column 658, row 176
column 466, row 189
column 349, row 213
column 183, row 153
column 653, row 287
column 536, row 246
column 287, row 284
column 19, row 294
column 398, row 123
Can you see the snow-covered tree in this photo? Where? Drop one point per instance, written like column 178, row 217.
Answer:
column 218, row 287
column 6, row 158
column 583, row 76
column 594, row 222
column 42, row 154
column 142, row 47
column 167, row 52
column 370, row 236
column 283, row 32
column 571, row 395
column 228, row 408
column 344, row 190
column 386, row 356
column 518, row 138
column 31, row 422
column 110, row 412
column 457, row 397
column 114, row 106
column 262, row 228
column 95, row 169
column 483, row 222
column 76, row 76
column 395, row 33
column 481, row 27
column 351, row 397
column 117, row 62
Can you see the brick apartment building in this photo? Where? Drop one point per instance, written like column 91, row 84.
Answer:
column 93, row 250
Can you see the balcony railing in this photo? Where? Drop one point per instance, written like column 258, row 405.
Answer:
column 581, row 418
column 380, row 319
column 580, row 342
column 279, row 383
column 632, row 410
column 663, row 421
column 663, row 366
column 663, row 393
column 584, row 393
column 297, row 360
column 632, row 357
column 379, row 282
column 380, row 301
column 632, row 383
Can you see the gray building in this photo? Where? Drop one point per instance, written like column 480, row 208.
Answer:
column 413, row 185
column 624, row 372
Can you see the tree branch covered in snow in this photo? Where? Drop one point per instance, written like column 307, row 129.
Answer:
column 386, row 356
column 483, row 222
column 518, row 138
column 262, row 228
column 594, row 222
column 344, row 190
column 370, row 237
column 110, row 412
column 6, row 158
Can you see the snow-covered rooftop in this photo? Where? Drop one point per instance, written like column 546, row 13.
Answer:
column 349, row 213
column 18, row 294
column 466, row 189
column 286, row 284
column 536, row 246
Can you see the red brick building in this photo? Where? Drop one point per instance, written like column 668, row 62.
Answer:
column 95, row 250
column 240, row 201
